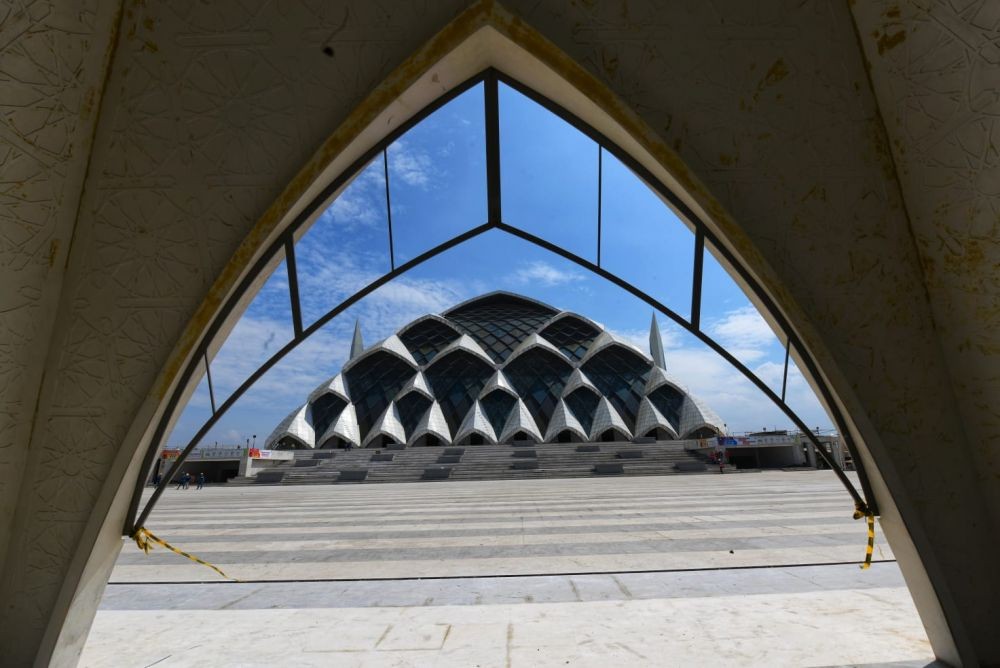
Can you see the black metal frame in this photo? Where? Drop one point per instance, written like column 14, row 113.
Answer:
column 285, row 244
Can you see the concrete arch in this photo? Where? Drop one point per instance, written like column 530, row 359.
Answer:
column 950, row 608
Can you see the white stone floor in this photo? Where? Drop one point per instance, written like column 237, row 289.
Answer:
column 703, row 570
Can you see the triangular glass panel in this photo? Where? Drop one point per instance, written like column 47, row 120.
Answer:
column 197, row 411
column 800, row 397
column 261, row 331
column 643, row 241
column 548, row 175
column 347, row 247
column 729, row 317
column 437, row 176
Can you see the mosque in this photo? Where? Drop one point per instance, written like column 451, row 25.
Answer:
column 496, row 369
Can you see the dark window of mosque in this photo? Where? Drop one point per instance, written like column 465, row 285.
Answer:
column 668, row 400
column 324, row 411
column 374, row 381
column 565, row 436
column 703, row 432
column 583, row 402
column 539, row 377
column 334, row 443
column 497, row 405
column 411, row 408
column 620, row 375
column 475, row 439
column 290, row 443
column 612, row 435
column 427, row 338
column 457, row 379
column 501, row 322
column 570, row 335
column 431, row 440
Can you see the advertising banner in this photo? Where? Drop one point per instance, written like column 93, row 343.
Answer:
column 257, row 453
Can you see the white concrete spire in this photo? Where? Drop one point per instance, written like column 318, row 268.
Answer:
column 534, row 341
column 357, row 343
column 656, row 344
column 417, row 384
column 606, row 339
column 388, row 424
column 469, row 345
column 298, row 425
column 433, row 423
column 696, row 414
column 520, row 420
column 650, row 417
column 563, row 419
column 336, row 386
column 576, row 380
column 658, row 378
column 606, row 417
column 498, row 381
column 391, row 345
column 476, row 422
column 345, row 427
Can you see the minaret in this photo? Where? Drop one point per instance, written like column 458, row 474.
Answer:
column 357, row 345
column 656, row 345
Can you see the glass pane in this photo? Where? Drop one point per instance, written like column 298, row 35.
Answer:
column 728, row 316
column 483, row 265
column 196, row 413
column 437, row 176
column 261, row 331
column 742, row 407
column 800, row 398
column 347, row 247
column 643, row 241
column 548, row 175
column 285, row 386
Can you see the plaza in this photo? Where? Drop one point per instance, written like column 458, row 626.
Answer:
column 741, row 569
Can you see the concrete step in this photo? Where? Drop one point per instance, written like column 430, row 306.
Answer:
column 483, row 462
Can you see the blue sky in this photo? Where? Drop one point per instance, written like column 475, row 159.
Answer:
column 549, row 178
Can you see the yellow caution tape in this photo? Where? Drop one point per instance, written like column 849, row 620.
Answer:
column 144, row 536
column 870, row 517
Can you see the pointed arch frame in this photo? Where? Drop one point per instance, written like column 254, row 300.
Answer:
column 284, row 246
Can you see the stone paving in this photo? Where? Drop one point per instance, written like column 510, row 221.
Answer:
column 681, row 570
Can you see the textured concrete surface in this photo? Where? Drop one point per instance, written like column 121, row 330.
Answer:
column 415, row 575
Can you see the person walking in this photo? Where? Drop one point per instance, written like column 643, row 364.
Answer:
column 180, row 481
column 186, row 480
column 201, row 480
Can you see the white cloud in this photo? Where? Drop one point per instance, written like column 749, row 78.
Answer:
column 361, row 204
column 742, row 328
column 413, row 167
column 543, row 274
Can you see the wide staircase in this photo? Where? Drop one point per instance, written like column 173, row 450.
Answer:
column 482, row 462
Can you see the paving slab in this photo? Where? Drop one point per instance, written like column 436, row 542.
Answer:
column 756, row 569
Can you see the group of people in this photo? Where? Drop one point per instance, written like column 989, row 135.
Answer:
column 185, row 480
